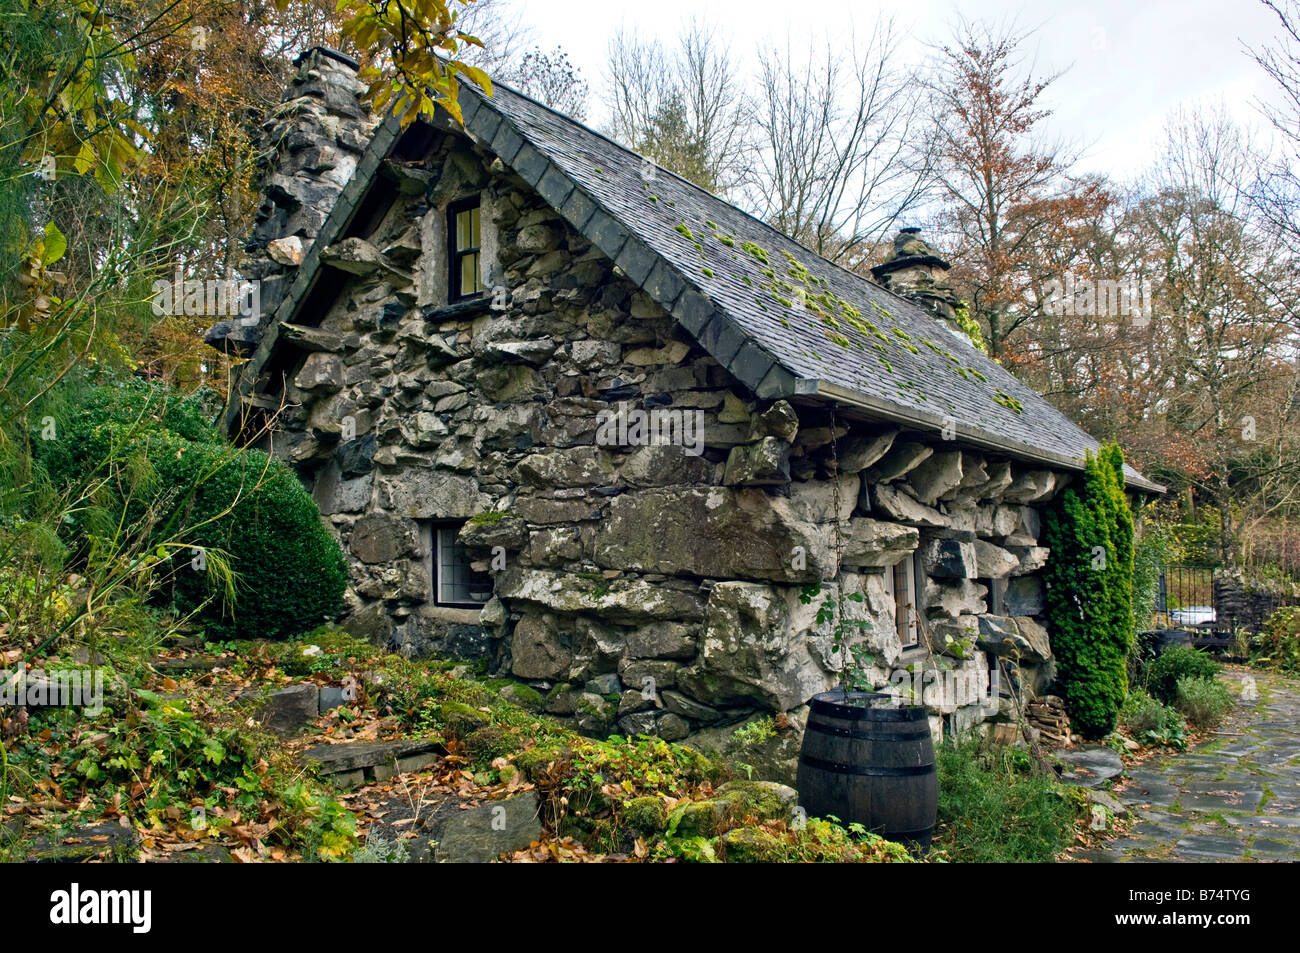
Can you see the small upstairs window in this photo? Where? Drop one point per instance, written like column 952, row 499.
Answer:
column 465, row 240
column 455, row 583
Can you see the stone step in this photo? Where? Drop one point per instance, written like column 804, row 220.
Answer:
column 185, row 666
column 351, row 763
column 1089, row 766
column 105, row 842
column 450, row 831
column 284, row 711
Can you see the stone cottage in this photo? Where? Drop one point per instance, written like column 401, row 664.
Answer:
column 571, row 414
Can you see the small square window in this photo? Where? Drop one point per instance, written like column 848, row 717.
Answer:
column 900, row 583
column 455, row 583
column 465, row 236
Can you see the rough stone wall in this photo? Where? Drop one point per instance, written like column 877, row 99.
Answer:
column 644, row 588
column 1237, row 605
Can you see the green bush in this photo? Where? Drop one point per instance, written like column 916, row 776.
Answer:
column 1205, row 702
column 1174, row 663
column 80, row 406
column 291, row 571
column 1149, row 722
column 185, row 490
column 994, row 809
column 1089, row 592
column 1279, row 641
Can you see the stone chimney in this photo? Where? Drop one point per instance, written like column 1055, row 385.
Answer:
column 309, row 148
column 913, row 270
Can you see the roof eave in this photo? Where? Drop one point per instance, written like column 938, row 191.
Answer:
column 910, row 417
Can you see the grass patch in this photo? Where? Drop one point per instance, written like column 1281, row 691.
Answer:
column 1150, row 722
column 1163, row 672
column 994, row 809
column 1204, row 701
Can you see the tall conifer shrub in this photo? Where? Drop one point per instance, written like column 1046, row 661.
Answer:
column 1089, row 578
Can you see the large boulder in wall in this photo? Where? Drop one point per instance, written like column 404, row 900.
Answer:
column 762, row 647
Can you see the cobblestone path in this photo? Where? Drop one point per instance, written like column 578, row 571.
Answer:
column 1233, row 797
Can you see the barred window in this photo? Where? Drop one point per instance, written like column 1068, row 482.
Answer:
column 455, row 583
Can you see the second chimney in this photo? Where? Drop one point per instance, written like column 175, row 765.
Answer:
column 913, row 270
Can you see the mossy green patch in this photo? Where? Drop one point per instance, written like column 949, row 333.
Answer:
column 645, row 815
column 697, row 818
column 747, row 845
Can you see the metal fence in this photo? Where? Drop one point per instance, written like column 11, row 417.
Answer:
column 1185, row 597
column 1218, row 612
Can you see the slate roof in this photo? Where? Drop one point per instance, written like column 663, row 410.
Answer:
column 728, row 278
column 703, row 260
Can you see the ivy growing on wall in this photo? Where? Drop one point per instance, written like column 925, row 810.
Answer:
column 1089, row 579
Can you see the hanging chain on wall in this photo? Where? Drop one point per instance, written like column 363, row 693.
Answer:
column 841, row 637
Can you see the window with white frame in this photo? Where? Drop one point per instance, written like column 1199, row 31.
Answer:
column 901, row 584
column 455, row 583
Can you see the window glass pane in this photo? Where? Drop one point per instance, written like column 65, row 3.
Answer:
column 457, row 582
column 464, row 229
column 904, row 591
column 467, row 229
column 469, row 277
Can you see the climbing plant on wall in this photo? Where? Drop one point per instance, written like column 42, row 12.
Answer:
column 1089, row 579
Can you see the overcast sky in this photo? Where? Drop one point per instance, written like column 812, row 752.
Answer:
column 1128, row 62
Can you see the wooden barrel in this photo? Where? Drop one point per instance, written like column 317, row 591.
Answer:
column 870, row 763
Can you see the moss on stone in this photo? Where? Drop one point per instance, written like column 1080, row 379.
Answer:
column 760, row 799
column 534, row 761
column 645, row 815
column 523, row 695
column 747, row 845
column 697, row 818
column 490, row 742
column 586, row 706
column 461, row 719
column 579, row 828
